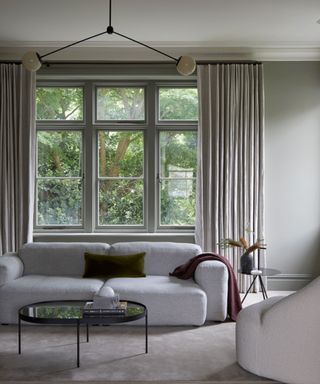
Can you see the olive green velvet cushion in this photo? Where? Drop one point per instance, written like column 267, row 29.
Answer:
column 114, row 266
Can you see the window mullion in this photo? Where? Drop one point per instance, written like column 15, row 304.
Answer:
column 89, row 200
column 150, row 161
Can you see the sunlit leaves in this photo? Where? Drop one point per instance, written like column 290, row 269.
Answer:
column 121, row 153
column 120, row 103
column 178, row 162
column 59, row 103
column 120, row 123
column 121, row 160
column 59, row 181
column 59, row 153
column 178, row 104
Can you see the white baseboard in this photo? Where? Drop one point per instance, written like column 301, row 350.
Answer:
column 288, row 281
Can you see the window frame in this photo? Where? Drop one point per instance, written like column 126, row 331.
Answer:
column 173, row 122
column 98, row 178
column 62, row 125
column 119, row 85
column 163, row 227
column 90, row 127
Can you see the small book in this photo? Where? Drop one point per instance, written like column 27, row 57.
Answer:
column 119, row 310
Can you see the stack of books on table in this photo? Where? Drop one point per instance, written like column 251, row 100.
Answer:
column 90, row 310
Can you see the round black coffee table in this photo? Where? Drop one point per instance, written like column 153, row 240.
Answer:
column 71, row 312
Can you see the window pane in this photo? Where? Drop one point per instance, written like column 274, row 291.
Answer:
column 121, row 202
column 120, row 103
column 178, row 202
column 59, row 153
column 178, row 163
column 59, row 103
column 120, row 154
column 178, row 104
column 59, row 202
column 178, row 154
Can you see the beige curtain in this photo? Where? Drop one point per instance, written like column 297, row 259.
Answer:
column 231, row 166
column 17, row 155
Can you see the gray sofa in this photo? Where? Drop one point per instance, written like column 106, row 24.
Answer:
column 53, row 271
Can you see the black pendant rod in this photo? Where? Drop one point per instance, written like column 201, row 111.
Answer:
column 145, row 45
column 110, row 31
column 72, row 44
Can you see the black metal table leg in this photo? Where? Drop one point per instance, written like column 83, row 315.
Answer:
column 263, row 288
column 248, row 290
column 19, row 335
column 146, row 329
column 87, row 333
column 78, row 343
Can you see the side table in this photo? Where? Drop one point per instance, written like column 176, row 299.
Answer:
column 263, row 272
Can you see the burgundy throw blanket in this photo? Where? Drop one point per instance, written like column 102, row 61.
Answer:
column 185, row 271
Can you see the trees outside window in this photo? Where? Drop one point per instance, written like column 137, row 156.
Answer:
column 121, row 177
column 116, row 156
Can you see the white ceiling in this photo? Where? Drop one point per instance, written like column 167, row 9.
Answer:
column 204, row 28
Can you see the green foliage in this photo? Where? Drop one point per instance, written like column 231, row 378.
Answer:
column 178, row 152
column 59, row 197
column 121, row 202
column 120, row 155
column 178, row 159
column 119, row 103
column 178, row 104
column 59, row 153
column 59, row 202
column 59, row 103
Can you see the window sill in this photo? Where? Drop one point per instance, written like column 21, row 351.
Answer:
column 114, row 237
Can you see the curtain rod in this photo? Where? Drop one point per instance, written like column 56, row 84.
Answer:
column 48, row 63
column 10, row 61
column 228, row 62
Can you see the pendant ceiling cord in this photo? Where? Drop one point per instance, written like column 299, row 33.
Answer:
column 112, row 31
column 186, row 65
column 110, row 13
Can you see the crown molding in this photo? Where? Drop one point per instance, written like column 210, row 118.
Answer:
column 123, row 50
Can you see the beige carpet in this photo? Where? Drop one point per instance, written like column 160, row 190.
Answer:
column 115, row 354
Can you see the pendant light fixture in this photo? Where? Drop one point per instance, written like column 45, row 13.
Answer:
column 32, row 60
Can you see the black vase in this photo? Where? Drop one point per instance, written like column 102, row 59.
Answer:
column 246, row 263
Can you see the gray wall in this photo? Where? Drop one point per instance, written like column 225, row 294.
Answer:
column 292, row 94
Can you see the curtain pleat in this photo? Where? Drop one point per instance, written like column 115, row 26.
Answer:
column 17, row 156
column 230, row 184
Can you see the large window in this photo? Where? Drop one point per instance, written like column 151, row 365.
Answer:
column 116, row 156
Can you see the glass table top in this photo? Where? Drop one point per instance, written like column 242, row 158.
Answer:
column 71, row 310
column 264, row 272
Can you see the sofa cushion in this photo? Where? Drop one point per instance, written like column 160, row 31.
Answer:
column 58, row 259
column 35, row 288
column 161, row 257
column 170, row 301
column 114, row 266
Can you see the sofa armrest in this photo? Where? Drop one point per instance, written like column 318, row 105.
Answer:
column 11, row 267
column 212, row 276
